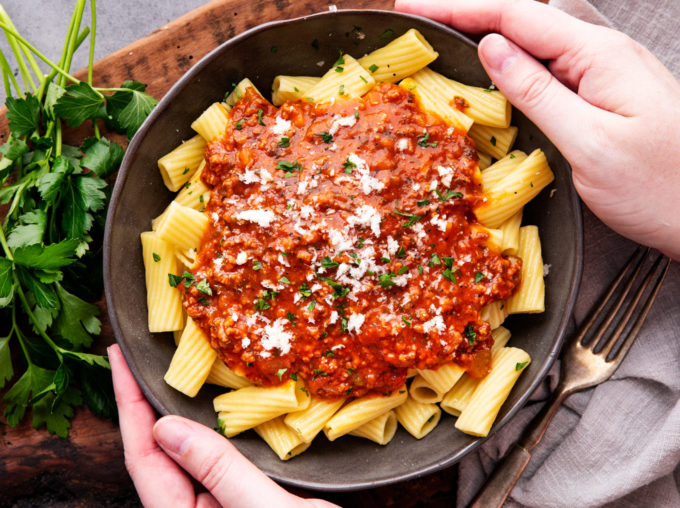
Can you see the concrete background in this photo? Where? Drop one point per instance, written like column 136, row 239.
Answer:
column 119, row 22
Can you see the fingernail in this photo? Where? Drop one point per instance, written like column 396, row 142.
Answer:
column 498, row 53
column 172, row 434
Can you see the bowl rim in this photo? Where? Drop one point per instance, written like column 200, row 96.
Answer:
column 124, row 173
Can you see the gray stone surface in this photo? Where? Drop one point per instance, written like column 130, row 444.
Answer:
column 119, row 22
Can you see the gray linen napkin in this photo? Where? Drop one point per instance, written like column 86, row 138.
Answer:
column 619, row 443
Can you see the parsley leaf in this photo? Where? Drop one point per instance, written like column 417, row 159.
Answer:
column 520, row 365
column 470, row 334
column 102, row 156
column 77, row 319
column 29, row 230
column 479, row 276
column 79, row 103
column 55, row 255
column 413, row 218
column 284, row 143
column 340, row 291
column 326, row 137
column 23, row 115
column 129, row 107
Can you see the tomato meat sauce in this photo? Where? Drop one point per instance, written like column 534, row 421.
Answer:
column 342, row 246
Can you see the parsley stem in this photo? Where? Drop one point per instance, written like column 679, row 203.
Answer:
column 39, row 54
column 72, row 36
column 5, row 247
column 20, row 337
column 90, row 62
column 34, row 320
column 8, row 26
column 7, row 73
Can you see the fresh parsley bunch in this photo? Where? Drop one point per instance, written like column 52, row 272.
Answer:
column 53, row 198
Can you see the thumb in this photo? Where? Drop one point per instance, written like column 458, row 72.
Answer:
column 219, row 466
column 532, row 89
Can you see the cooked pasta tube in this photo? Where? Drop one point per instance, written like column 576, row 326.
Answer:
column 222, row 375
column 510, row 230
column 212, row 122
column 515, row 190
column 183, row 227
column 484, row 160
column 496, row 141
column 530, row 296
column 361, row 411
column 501, row 168
column 380, row 430
column 484, row 106
column 248, row 407
column 309, row 422
column 179, row 165
column 417, row 418
column 191, row 362
column 459, row 396
column 495, row 313
column 433, row 104
column 291, row 88
column 488, row 397
column 422, row 391
column 400, row 58
column 239, row 91
column 164, row 303
column 352, row 81
column 281, row 439
column 443, row 377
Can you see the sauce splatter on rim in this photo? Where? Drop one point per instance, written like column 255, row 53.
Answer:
column 342, row 247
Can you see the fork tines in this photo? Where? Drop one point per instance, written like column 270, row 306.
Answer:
column 616, row 333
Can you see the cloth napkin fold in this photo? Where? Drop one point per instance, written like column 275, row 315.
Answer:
column 617, row 444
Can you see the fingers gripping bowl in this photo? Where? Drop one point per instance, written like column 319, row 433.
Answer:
column 140, row 195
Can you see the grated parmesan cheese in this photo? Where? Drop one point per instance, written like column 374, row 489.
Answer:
column 262, row 218
column 281, row 126
column 276, row 337
column 436, row 323
column 446, row 174
column 366, row 216
column 355, row 322
column 241, row 258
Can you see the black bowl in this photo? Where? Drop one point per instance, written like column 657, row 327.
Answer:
column 288, row 47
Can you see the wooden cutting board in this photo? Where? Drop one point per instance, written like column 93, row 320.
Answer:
column 87, row 469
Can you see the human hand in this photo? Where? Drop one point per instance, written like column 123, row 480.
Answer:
column 159, row 454
column 607, row 103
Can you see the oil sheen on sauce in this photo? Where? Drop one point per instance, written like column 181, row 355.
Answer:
column 342, row 247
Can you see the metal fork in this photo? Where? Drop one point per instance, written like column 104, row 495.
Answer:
column 587, row 360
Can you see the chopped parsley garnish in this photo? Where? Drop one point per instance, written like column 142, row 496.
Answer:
column 413, row 218
column 288, row 167
column 203, row 301
column 448, row 261
column 361, row 241
column 449, row 194
column 329, row 353
column 384, row 259
column 325, row 136
column 356, row 115
column 204, row 287
column 402, row 270
column 373, row 68
column 291, row 317
column 294, row 376
column 406, row 320
column 520, row 365
column 387, row 34
column 305, row 291
column 385, row 280
column 348, row 165
column 339, row 291
column 327, row 262
column 351, row 371
column 424, row 202
column 434, row 260
column 319, row 372
column 470, row 334
column 280, row 373
column 339, row 69
column 341, row 90
column 186, row 170
column 339, row 61
column 156, row 257
column 259, row 117
column 257, row 265
column 401, row 253
column 448, row 274
column 420, row 269
column 423, row 139
column 363, row 79
column 284, row 143
column 349, row 390
column 262, row 303
column 311, row 305
column 284, row 280
column 174, row 280
column 493, row 140
column 239, row 125
column 478, row 277
column 189, row 279
column 303, row 389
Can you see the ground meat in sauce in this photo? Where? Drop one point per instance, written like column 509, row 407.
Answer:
column 342, row 247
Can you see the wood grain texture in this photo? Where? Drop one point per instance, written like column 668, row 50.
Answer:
column 87, row 469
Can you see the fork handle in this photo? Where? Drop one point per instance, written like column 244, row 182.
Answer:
column 503, row 479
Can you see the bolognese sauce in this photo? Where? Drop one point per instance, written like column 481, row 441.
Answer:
column 342, row 246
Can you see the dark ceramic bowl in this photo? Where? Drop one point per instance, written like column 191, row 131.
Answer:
column 285, row 47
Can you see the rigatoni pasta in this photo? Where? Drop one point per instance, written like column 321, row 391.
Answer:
column 290, row 405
